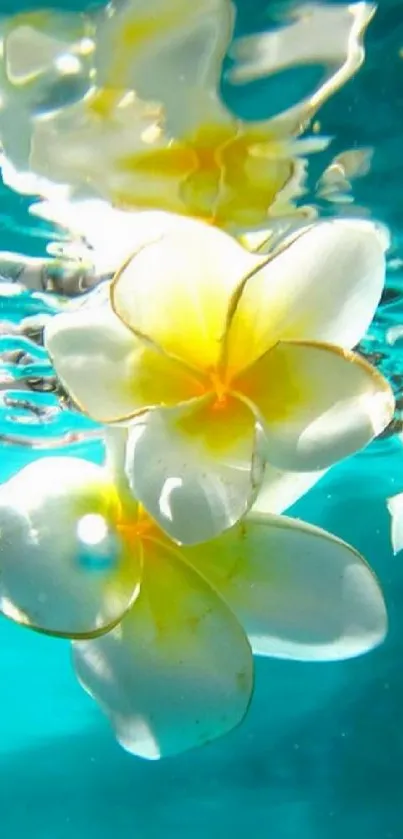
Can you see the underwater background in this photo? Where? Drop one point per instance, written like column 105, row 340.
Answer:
column 320, row 754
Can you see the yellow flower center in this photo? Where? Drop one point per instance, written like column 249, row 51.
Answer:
column 218, row 173
column 220, row 389
column 110, row 525
column 130, row 529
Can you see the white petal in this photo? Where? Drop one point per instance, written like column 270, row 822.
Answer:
column 317, row 403
column 178, row 291
column 63, row 567
column 174, row 58
column 324, row 285
column 280, row 490
column 109, row 373
column 195, row 469
column 395, row 507
column 177, row 672
column 299, row 592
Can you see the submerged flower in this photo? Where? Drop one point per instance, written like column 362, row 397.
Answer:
column 161, row 631
column 222, row 361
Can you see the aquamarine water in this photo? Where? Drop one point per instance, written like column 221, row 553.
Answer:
column 320, row 755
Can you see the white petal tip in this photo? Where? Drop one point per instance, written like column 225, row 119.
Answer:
column 384, row 235
column 395, row 508
column 373, row 228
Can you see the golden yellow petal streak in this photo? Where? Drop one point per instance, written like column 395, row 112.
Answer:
column 176, row 609
column 209, row 153
column 237, row 295
column 349, row 356
column 225, row 415
column 171, row 604
column 278, row 394
column 252, row 181
column 142, row 336
column 176, row 160
column 173, row 384
column 208, row 171
column 233, row 305
column 87, row 414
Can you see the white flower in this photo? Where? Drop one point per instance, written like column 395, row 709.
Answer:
column 164, row 635
column 222, row 361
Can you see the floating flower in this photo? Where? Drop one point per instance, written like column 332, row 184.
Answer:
column 222, row 361
column 164, row 634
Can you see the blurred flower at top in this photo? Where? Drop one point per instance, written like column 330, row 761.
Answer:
column 125, row 104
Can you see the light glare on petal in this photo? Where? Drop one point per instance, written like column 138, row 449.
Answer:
column 56, row 572
column 169, row 487
column 68, row 64
column 92, row 529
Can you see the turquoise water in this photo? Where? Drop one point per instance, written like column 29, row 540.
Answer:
column 321, row 752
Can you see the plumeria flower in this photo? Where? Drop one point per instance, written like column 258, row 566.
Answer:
column 222, row 361
column 100, row 256
column 143, row 124
column 163, row 634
